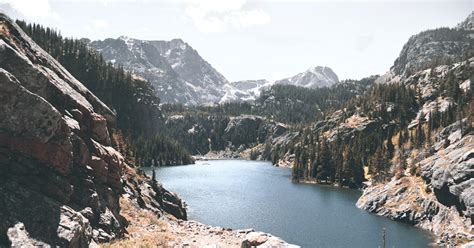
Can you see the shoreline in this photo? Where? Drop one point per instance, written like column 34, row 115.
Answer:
column 146, row 228
column 433, row 237
column 335, row 185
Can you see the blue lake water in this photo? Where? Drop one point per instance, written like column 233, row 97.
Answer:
column 249, row 194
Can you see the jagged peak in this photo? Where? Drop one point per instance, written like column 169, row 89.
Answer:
column 124, row 37
column 250, row 80
column 468, row 23
column 178, row 40
column 319, row 69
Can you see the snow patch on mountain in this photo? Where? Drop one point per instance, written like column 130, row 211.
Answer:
column 314, row 77
column 180, row 75
column 177, row 71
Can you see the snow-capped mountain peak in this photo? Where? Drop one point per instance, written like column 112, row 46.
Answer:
column 177, row 71
column 314, row 77
column 180, row 75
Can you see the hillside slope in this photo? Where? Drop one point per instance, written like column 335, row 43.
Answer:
column 407, row 140
column 61, row 179
column 62, row 183
column 178, row 73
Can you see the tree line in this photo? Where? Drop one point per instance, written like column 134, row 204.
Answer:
column 132, row 98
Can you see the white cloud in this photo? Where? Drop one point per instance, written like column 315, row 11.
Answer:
column 362, row 42
column 34, row 9
column 279, row 75
column 216, row 15
column 100, row 24
column 242, row 19
column 96, row 25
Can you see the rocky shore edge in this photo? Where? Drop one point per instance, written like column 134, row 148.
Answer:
column 438, row 197
column 148, row 228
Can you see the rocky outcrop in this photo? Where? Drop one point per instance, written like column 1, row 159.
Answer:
column 253, row 239
column 176, row 71
column 248, row 129
column 218, row 136
column 346, row 125
column 148, row 229
column 151, row 195
column 314, row 77
column 440, row 197
column 60, row 179
column 450, row 172
column 439, row 46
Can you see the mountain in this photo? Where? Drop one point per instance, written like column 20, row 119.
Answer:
column 314, row 77
column 177, row 72
column 408, row 140
column 436, row 47
column 180, row 75
column 61, row 179
column 64, row 182
column 467, row 24
column 249, row 84
column 250, row 90
column 246, row 90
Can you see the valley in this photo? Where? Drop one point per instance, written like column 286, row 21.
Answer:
column 267, row 200
column 95, row 134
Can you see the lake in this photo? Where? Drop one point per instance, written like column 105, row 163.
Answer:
column 251, row 194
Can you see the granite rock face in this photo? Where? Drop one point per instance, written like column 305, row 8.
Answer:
column 151, row 195
column 440, row 45
column 48, row 184
column 440, row 198
column 438, row 195
column 180, row 75
column 450, row 172
column 177, row 72
column 314, row 77
column 250, row 129
column 60, row 179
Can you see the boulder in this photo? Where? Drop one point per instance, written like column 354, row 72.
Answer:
column 19, row 237
column 73, row 229
column 100, row 168
column 99, row 129
column 151, row 195
column 260, row 239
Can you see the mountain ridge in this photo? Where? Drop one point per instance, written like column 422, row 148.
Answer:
column 180, row 75
column 176, row 70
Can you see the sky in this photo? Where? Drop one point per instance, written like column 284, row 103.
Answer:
column 265, row 39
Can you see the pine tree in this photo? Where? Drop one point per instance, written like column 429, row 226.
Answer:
column 325, row 163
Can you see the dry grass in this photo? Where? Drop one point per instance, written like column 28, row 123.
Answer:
column 145, row 229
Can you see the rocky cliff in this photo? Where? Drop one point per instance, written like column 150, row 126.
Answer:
column 176, row 70
column 434, row 185
column 250, row 90
column 410, row 132
column 62, row 183
column 60, row 178
column 314, row 77
column 438, row 46
column 180, row 75
column 439, row 196
column 221, row 136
